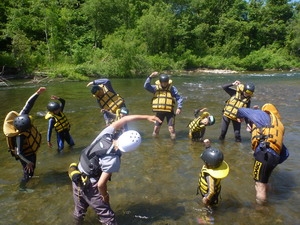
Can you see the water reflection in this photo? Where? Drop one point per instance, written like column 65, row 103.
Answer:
column 157, row 183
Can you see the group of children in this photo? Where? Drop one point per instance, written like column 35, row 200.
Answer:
column 24, row 139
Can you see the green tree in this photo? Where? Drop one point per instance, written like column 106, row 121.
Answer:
column 293, row 39
column 104, row 17
column 156, row 27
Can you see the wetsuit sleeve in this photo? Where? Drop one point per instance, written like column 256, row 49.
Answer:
column 211, row 187
column 256, row 116
column 63, row 102
column 29, row 104
column 19, row 151
column 148, row 86
column 177, row 96
column 204, row 115
column 228, row 89
column 105, row 82
column 51, row 123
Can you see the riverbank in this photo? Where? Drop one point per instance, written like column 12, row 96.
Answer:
column 39, row 77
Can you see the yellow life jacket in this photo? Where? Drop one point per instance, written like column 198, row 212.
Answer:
column 162, row 99
column 235, row 102
column 32, row 141
column 118, row 114
column 109, row 100
column 195, row 125
column 272, row 135
column 203, row 185
column 61, row 121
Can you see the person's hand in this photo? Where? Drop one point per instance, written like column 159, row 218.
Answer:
column 90, row 83
column 248, row 128
column 203, row 109
column 41, row 90
column 29, row 167
column 105, row 198
column 237, row 82
column 240, row 120
column 154, row 74
column 206, row 143
column 205, row 200
column 53, row 97
column 154, row 119
column 178, row 111
column 49, row 144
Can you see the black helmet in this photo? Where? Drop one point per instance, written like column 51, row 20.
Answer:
column 163, row 78
column 53, row 106
column 249, row 88
column 94, row 89
column 22, row 122
column 212, row 157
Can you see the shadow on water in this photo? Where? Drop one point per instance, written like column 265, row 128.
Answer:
column 145, row 213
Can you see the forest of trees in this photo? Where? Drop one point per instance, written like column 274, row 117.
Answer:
column 76, row 39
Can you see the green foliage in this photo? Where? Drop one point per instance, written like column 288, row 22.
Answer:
column 293, row 37
column 156, row 28
column 7, row 59
column 66, row 71
column 123, row 55
column 134, row 37
column 267, row 59
column 217, row 62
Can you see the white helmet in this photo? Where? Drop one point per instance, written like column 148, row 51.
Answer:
column 129, row 141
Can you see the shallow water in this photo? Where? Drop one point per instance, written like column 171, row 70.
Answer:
column 157, row 183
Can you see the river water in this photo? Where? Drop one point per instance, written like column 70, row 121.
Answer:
column 157, row 183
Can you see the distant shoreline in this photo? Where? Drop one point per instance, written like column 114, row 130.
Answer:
column 226, row 71
column 218, row 71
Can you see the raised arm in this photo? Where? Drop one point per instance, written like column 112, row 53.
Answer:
column 31, row 100
column 121, row 122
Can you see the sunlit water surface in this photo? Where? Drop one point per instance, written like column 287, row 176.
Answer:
column 157, row 183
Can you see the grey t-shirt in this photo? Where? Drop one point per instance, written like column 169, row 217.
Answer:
column 110, row 163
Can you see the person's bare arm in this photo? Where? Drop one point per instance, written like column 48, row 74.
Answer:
column 102, row 186
column 120, row 123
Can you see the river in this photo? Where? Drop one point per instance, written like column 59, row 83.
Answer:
column 157, row 183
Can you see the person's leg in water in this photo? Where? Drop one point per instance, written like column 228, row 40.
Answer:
column 60, row 141
column 224, row 127
column 27, row 174
column 265, row 162
column 261, row 193
column 171, row 124
column 157, row 125
column 68, row 138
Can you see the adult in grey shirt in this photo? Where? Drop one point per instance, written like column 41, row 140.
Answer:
column 97, row 163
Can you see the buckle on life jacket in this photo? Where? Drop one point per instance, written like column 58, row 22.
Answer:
column 264, row 145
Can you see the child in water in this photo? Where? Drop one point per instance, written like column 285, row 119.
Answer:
column 212, row 172
column 197, row 126
column 112, row 117
column 57, row 119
